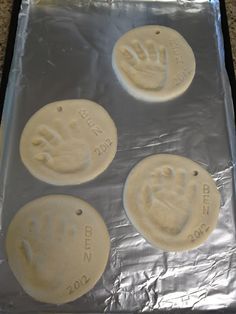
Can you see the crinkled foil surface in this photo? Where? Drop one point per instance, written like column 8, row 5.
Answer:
column 63, row 51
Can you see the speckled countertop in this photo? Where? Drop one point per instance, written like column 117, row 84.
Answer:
column 5, row 12
column 231, row 13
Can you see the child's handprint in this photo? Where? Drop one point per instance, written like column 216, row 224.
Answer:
column 169, row 198
column 60, row 147
column 145, row 65
column 48, row 238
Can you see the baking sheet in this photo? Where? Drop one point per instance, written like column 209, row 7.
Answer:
column 63, row 51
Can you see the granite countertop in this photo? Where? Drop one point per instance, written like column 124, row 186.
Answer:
column 5, row 13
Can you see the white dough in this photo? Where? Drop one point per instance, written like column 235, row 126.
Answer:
column 68, row 142
column 172, row 202
column 153, row 63
column 57, row 248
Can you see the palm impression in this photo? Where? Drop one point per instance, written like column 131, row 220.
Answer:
column 145, row 64
column 153, row 63
column 168, row 197
column 68, row 142
column 57, row 247
column 47, row 237
column 61, row 148
column 172, row 201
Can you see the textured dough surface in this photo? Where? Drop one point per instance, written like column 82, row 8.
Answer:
column 153, row 63
column 57, row 248
column 172, row 202
column 68, row 142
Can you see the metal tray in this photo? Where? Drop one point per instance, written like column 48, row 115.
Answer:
column 63, row 51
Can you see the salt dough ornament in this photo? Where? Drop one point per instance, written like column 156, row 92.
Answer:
column 57, row 247
column 153, row 63
column 172, row 202
column 68, row 142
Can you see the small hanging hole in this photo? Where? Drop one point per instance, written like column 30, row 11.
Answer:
column 195, row 173
column 158, row 32
column 59, row 109
column 79, row 212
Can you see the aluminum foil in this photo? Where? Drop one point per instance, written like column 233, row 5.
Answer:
column 63, row 51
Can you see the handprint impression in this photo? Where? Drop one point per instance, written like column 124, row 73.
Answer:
column 168, row 198
column 61, row 150
column 145, row 65
column 48, row 237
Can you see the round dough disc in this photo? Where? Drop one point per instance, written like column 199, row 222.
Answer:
column 57, row 248
column 68, row 142
column 153, row 63
column 172, row 202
